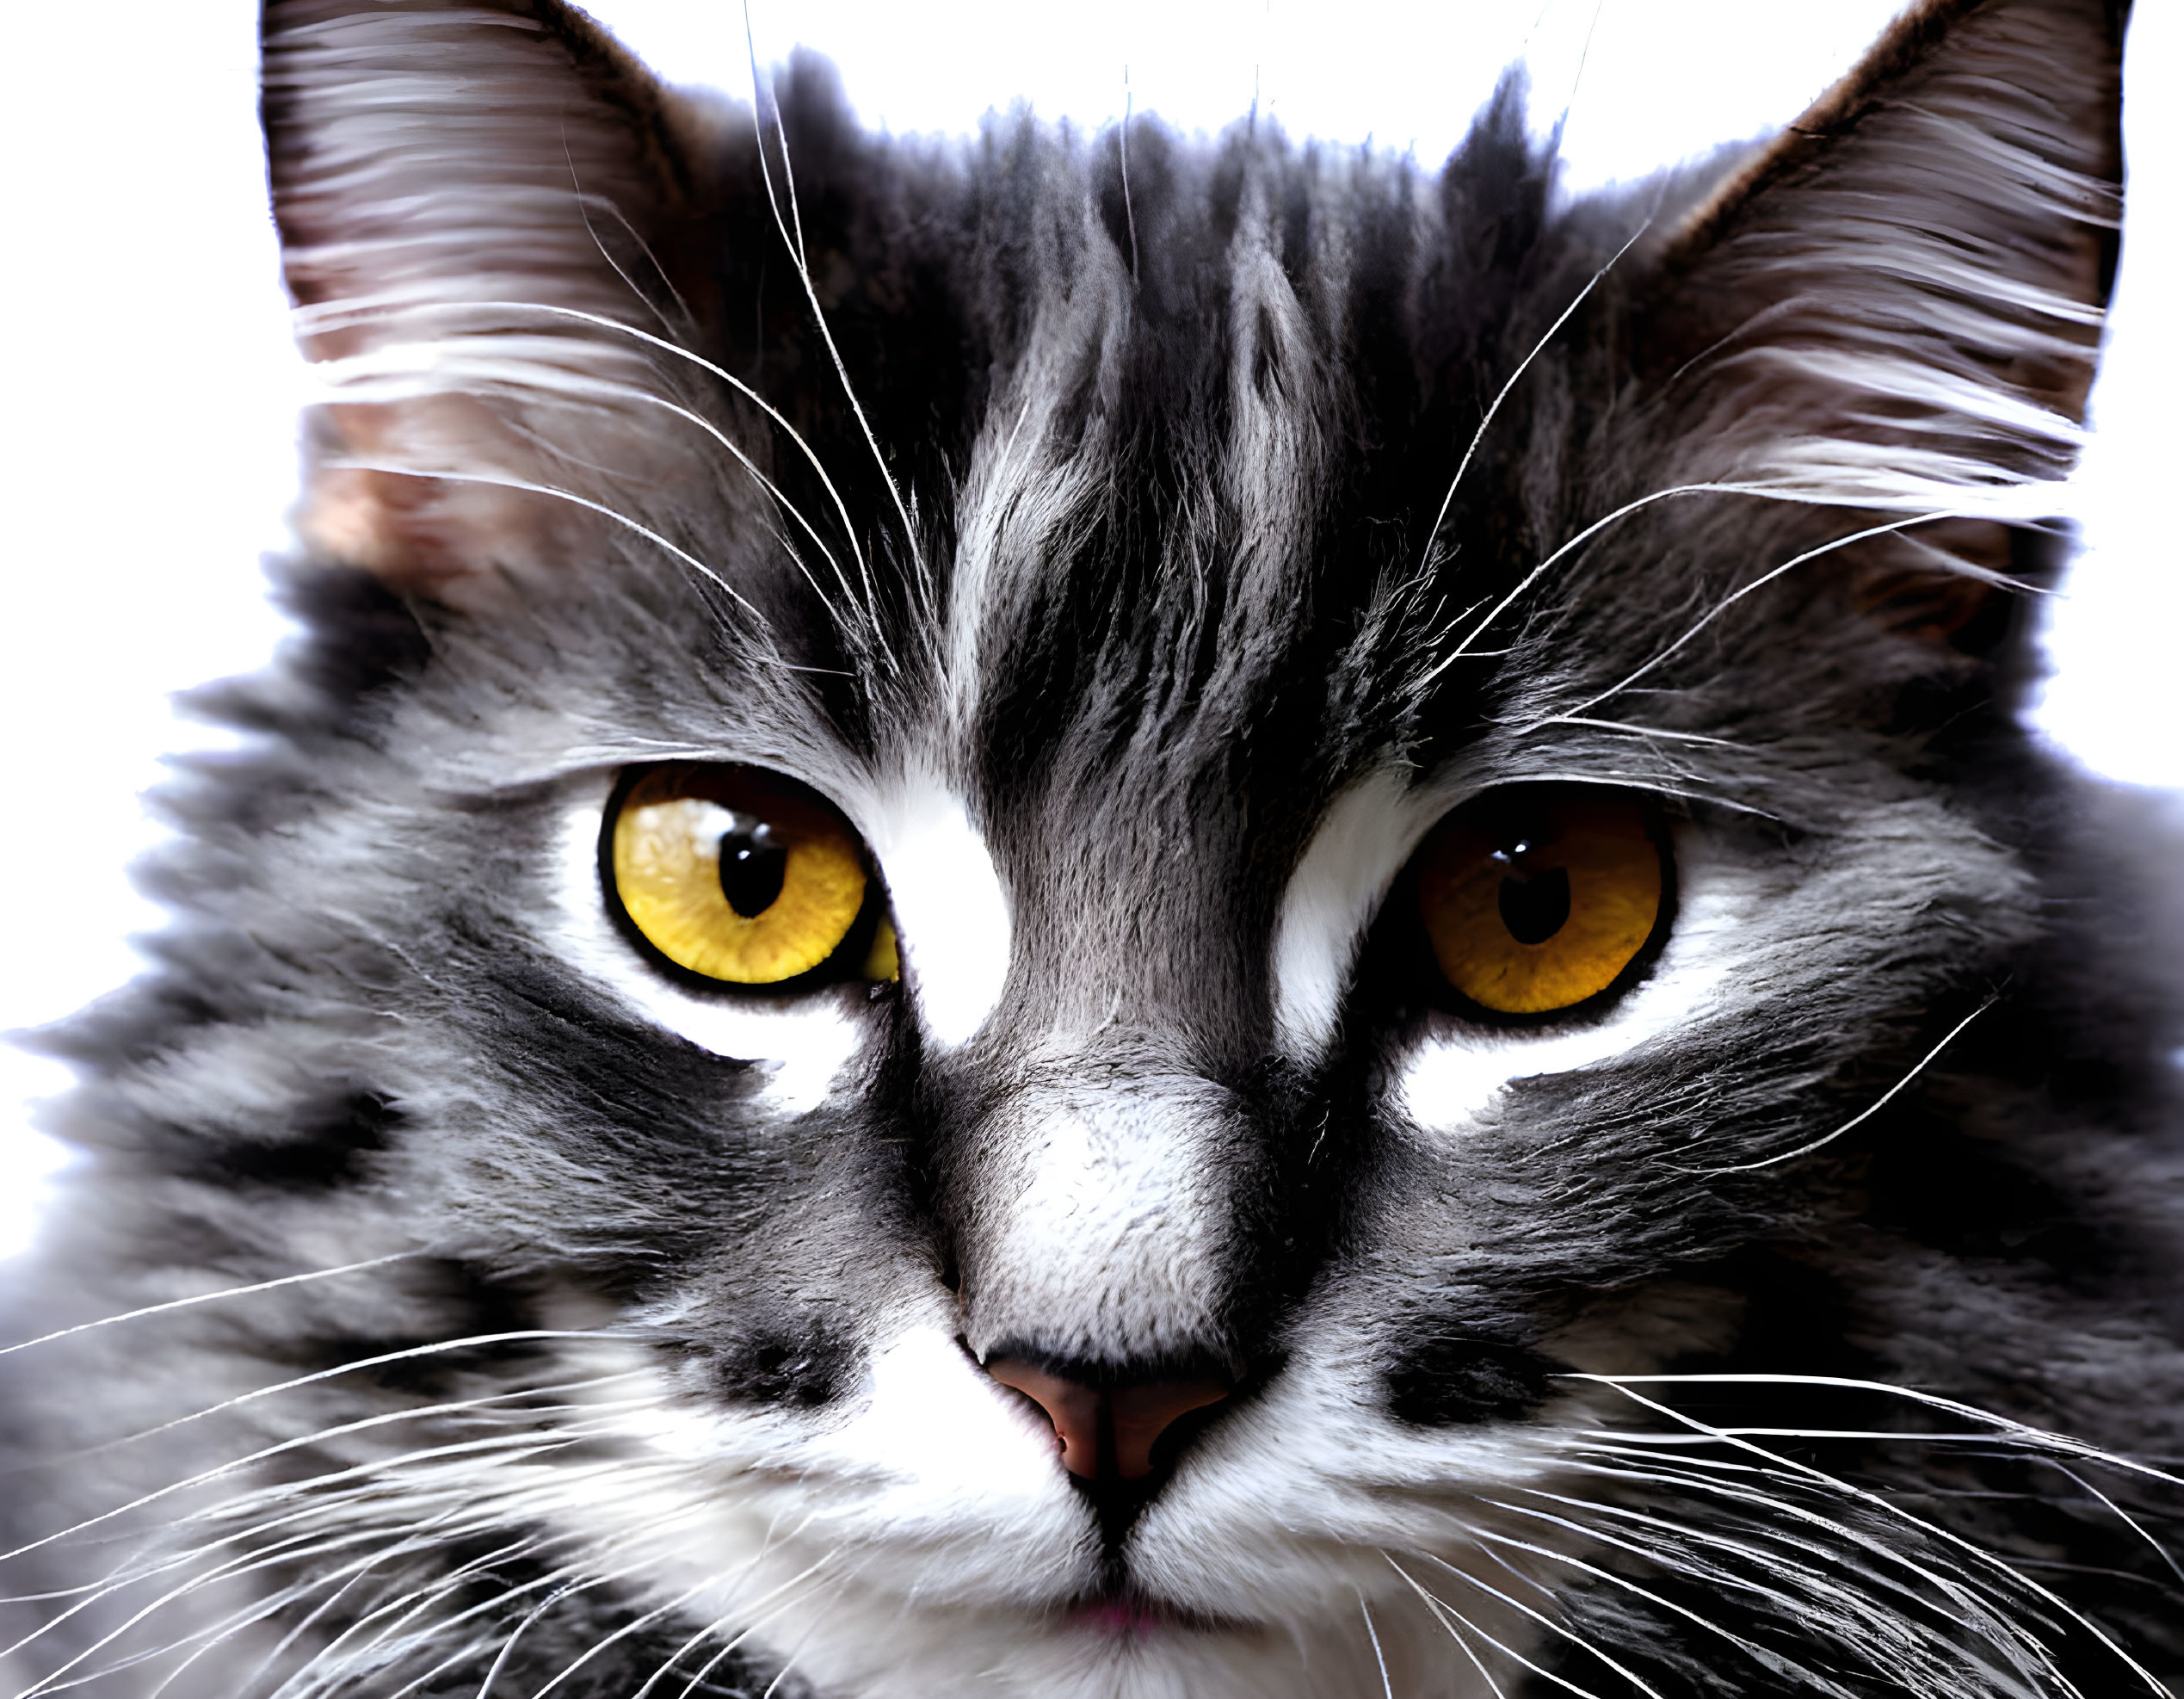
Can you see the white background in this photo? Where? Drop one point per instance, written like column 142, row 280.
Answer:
column 149, row 386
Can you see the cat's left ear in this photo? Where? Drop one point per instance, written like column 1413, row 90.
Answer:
column 1898, row 306
column 478, row 205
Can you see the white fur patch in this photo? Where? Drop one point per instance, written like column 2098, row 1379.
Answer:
column 1367, row 835
column 951, row 914
column 1108, row 1222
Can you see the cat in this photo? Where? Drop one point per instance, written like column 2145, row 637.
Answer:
column 1104, row 917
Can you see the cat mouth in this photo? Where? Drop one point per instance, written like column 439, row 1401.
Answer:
column 1130, row 1615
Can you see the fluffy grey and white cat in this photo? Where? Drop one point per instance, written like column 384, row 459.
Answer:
column 1090, row 916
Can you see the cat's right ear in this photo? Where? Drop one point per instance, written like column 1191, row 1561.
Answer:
column 478, row 204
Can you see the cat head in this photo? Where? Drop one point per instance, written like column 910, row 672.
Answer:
column 1111, row 867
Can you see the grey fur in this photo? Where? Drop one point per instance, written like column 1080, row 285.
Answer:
column 1134, row 534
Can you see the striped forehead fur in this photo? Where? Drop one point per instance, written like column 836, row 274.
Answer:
column 1819, row 347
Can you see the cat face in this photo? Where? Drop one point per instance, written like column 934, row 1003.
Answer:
column 1061, row 904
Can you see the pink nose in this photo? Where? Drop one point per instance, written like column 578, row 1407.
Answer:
column 1124, row 1421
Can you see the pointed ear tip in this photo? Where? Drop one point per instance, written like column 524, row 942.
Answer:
column 2094, row 27
column 1909, row 44
column 591, row 47
column 357, row 98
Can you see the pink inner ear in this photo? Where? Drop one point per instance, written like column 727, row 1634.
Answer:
column 421, row 533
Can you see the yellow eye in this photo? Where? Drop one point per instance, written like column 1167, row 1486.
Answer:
column 1538, row 897
column 737, row 874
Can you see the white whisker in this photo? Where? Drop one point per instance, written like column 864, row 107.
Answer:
column 338, row 312
column 1675, row 492
column 1738, row 594
column 635, row 1624
column 583, row 211
column 531, row 487
column 788, row 1662
column 283, row 1446
column 484, row 1404
column 174, row 1304
column 765, row 1550
column 394, row 1615
column 409, row 1542
column 728, row 1647
column 1863, row 1115
column 1954, row 1541
column 1387, row 1687
column 1487, row 420
column 1812, row 1584
column 307, row 1544
column 795, row 246
column 1506, row 1650
column 1547, row 1622
column 2126, row 1518
column 246, row 1564
column 2039, row 1439
column 1765, row 1659
column 1635, row 731
column 773, row 491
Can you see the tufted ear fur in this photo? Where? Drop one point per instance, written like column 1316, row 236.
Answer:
column 473, row 198
column 1898, row 306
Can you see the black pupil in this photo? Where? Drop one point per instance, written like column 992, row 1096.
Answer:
column 1535, row 903
column 752, row 867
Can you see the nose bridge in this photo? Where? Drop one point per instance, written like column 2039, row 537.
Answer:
column 1134, row 912
column 1099, row 1225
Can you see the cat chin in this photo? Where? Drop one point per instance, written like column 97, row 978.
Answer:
column 1406, row 1650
